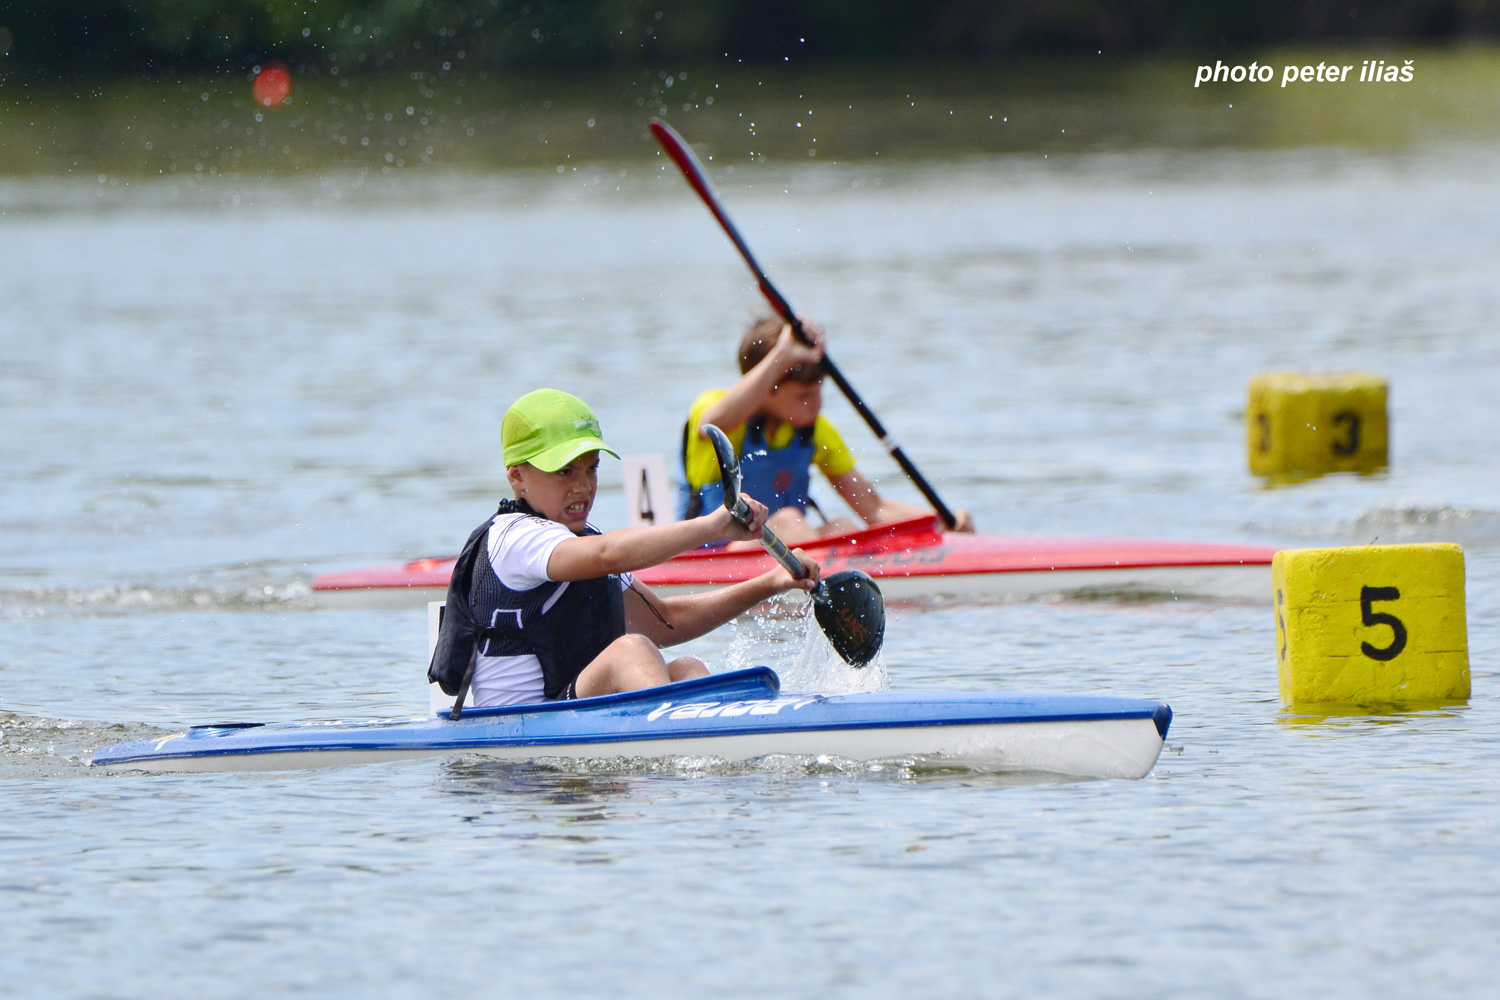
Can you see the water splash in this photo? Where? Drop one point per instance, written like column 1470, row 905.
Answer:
column 818, row 667
column 783, row 635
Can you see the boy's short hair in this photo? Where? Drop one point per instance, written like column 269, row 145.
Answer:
column 757, row 343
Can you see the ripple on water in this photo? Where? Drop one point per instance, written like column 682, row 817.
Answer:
column 248, row 395
column 58, row 748
column 1472, row 527
column 480, row 773
column 127, row 599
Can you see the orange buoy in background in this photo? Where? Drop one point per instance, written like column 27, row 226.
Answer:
column 273, row 84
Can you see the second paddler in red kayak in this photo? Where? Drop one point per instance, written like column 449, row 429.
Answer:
column 773, row 416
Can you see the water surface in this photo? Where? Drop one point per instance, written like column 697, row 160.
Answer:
column 213, row 391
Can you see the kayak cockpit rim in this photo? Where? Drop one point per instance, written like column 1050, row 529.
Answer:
column 751, row 680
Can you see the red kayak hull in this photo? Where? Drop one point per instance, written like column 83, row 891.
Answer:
column 910, row 558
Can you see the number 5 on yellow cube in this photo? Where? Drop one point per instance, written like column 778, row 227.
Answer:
column 1373, row 625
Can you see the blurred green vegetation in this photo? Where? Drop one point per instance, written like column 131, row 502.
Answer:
column 206, row 124
column 69, row 39
column 163, row 86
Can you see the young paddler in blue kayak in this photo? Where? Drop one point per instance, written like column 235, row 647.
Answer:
column 773, row 416
column 546, row 604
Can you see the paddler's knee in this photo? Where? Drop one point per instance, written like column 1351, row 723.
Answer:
column 838, row 526
column 685, row 668
column 790, row 525
column 630, row 662
column 636, row 647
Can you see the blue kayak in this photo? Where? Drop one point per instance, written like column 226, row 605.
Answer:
column 738, row 715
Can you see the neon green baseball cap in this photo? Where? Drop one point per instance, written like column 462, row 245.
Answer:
column 549, row 429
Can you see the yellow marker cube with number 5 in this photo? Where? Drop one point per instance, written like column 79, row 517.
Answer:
column 1373, row 625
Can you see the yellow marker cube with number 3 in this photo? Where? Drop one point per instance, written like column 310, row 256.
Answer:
column 1299, row 426
column 1373, row 625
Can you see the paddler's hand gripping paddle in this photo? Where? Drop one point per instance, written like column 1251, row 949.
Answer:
column 847, row 604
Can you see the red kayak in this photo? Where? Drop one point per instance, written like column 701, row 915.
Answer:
column 912, row 558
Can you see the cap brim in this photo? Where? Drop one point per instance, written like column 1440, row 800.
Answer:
column 556, row 457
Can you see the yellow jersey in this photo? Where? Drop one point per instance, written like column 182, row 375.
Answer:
column 830, row 454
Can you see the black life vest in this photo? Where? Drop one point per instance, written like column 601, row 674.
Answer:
column 564, row 624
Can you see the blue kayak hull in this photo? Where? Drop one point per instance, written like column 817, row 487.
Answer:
column 741, row 715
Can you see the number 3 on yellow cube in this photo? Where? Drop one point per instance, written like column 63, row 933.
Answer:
column 1303, row 425
column 1373, row 625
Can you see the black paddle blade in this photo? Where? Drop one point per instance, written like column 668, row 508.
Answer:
column 853, row 617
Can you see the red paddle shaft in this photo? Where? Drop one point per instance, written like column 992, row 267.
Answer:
column 691, row 169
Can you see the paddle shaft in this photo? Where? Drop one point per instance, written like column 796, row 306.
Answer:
column 729, row 471
column 847, row 605
column 741, row 513
column 691, row 169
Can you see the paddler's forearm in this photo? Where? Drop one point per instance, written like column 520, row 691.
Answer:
column 628, row 549
column 693, row 615
column 859, row 493
column 741, row 400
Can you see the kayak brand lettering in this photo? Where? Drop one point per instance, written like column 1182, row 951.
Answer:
column 728, row 709
column 1370, row 71
column 853, row 558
